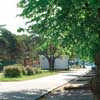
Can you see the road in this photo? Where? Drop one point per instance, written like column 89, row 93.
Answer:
column 32, row 89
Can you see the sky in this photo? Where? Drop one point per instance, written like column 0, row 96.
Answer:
column 8, row 12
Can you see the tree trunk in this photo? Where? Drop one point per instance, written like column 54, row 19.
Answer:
column 83, row 64
column 96, row 80
column 51, row 62
column 97, row 62
column 96, row 97
column 68, row 64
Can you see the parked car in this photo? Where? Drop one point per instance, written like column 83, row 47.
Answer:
column 93, row 67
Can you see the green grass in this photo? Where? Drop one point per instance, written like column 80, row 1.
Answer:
column 26, row 77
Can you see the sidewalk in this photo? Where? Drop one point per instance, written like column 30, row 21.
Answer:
column 32, row 89
column 77, row 89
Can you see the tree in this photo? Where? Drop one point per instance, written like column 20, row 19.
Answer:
column 51, row 52
column 7, row 45
column 74, row 22
column 16, row 47
column 26, row 47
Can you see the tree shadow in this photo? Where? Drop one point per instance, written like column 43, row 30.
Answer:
column 87, row 77
column 70, row 95
column 22, row 95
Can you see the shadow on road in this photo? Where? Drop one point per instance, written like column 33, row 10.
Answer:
column 22, row 95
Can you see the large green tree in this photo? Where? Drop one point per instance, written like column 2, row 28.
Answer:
column 16, row 47
column 7, row 45
column 26, row 47
column 74, row 23
column 71, row 24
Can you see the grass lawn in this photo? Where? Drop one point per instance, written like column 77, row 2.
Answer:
column 26, row 77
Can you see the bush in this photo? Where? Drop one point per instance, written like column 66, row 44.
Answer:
column 23, row 71
column 12, row 71
column 1, row 67
column 18, row 70
column 22, row 68
column 37, row 70
column 29, row 71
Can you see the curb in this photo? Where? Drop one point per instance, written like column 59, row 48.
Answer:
column 53, row 89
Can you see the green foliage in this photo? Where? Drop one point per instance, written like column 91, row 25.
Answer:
column 8, row 43
column 37, row 70
column 29, row 71
column 12, row 71
column 14, row 48
column 28, row 77
column 71, row 24
column 21, row 67
column 33, row 70
column 19, row 70
column 26, row 46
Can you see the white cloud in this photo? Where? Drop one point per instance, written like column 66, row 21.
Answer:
column 8, row 12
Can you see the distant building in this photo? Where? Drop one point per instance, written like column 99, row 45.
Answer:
column 60, row 63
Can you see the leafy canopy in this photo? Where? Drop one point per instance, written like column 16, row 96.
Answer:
column 7, row 44
column 71, row 24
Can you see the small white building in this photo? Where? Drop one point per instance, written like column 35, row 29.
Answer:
column 44, row 64
column 60, row 63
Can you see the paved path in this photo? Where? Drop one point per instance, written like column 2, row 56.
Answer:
column 77, row 94
column 32, row 89
column 73, row 90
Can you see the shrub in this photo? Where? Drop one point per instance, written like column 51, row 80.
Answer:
column 23, row 71
column 37, row 70
column 29, row 71
column 22, row 68
column 1, row 67
column 12, row 71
